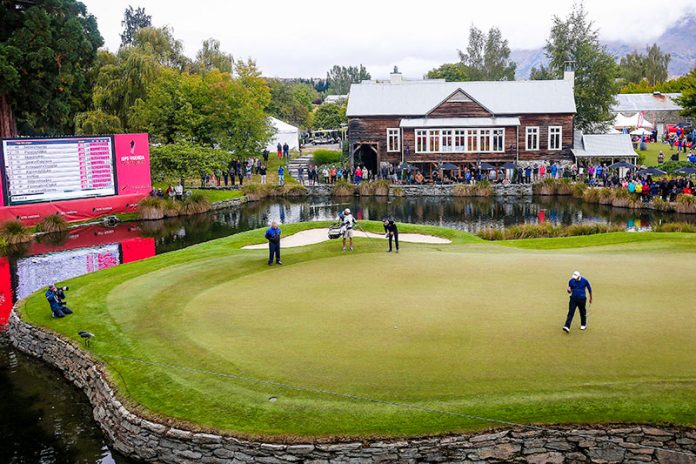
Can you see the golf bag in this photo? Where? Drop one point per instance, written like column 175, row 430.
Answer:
column 335, row 232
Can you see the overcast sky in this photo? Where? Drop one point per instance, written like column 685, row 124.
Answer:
column 303, row 38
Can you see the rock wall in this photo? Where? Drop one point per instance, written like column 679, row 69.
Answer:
column 150, row 441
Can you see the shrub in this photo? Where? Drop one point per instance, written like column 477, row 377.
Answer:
column 342, row 188
column 254, row 192
column 196, row 203
column 578, row 189
column 622, row 198
column 685, row 204
column 675, row 227
column 546, row 230
column 547, row 186
column 606, row 196
column 380, row 188
column 52, row 224
column 295, row 190
column 151, row 209
column 564, row 187
column 661, row 205
column 591, row 195
column 482, row 189
column 364, row 189
column 397, row 192
column 14, row 232
column 324, row 156
column 172, row 208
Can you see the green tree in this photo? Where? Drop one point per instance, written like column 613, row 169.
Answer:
column 542, row 73
column 329, row 116
column 97, row 123
column 291, row 102
column 210, row 57
column 656, row 65
column 213, row 110
column 574, row 39
column 633, row 67
column 687, row 100
column 651, row 67
column 186, row 160
column 162, row 45
column 487, row 56
column 451, row 72
column 133, row 19
column 340, row 78
column 46, row 51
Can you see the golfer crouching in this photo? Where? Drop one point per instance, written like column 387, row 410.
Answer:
column 578, row 299
column 273, row 237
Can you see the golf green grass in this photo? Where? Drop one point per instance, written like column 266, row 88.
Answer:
column 471, row 328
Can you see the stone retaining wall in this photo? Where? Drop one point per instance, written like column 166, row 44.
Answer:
column 150, row 441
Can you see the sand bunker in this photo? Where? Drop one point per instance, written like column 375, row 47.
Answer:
column 314, row 236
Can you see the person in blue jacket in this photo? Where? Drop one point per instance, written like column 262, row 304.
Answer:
column 577, row 288
column 273, row 237
column 57, row 307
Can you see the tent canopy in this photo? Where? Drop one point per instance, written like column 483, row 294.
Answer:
column 284, row 133
column 621, row 121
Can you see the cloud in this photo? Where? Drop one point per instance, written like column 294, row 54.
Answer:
column 306, row 37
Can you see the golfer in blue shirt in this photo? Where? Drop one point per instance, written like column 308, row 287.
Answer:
column 273, row 237
column 577, row 286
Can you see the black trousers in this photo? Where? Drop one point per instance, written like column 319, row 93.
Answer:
column 576, row 303
column 273, row 249
column 396, row 241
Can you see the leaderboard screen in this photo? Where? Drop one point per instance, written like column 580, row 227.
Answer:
column 40, row 170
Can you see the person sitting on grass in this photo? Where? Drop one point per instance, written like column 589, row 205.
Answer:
column 58, row 308
column 576, row 288
column 392, row 232
column 273, row 237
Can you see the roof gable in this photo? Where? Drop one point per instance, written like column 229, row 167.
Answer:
column 459, row 104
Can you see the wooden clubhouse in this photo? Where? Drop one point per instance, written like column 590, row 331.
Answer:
column 426, row 123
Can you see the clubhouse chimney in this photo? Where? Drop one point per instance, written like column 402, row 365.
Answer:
column 569, row 72
column 395, row 77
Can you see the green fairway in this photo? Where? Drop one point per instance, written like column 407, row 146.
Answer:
column 472, row 328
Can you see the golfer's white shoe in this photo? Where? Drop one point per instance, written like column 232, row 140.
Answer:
column 566, row 330
column 583, row 327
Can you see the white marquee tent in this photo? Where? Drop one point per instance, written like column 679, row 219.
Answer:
column 284, row 133
column 621, row 121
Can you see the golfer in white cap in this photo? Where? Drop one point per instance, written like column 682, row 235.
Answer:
column 348, row 221
column 577, row 286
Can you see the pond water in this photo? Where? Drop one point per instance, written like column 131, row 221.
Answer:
column 45, row 419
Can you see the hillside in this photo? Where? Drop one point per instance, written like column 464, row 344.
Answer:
column 675, row 40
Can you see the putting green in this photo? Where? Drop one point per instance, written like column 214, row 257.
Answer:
column 471, row 328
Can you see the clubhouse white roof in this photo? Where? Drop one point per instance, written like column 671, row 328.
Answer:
column 634, row 102
column 603, row 146
column 418, row 98
column 459, row 122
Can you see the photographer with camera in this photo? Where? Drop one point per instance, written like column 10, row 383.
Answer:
column 55, row 297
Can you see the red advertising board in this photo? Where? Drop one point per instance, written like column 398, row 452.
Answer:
column 77, row 177
column 132, row 164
